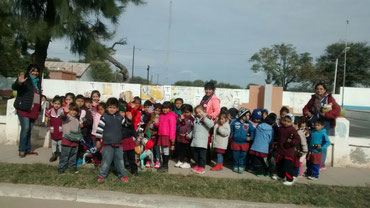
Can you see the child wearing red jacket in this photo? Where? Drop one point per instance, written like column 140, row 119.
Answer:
column 166, row 133
column 287, row 140
column 56, row 130
column 135, row 109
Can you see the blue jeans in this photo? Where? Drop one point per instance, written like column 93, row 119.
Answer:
column 112, row 154
column 239, row 158
column 68, row 158
column 220, row 158
column 25, row 136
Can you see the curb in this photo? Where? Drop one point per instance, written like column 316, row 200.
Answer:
column 120, row 198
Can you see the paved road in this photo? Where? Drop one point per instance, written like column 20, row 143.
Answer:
column 16, row 202
column 359, row 128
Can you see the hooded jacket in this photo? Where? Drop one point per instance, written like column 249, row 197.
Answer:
column 220, row 138
column 167, row 125
column 263, row 138
column 286, row 133
column 201, row 132
column 321, row 138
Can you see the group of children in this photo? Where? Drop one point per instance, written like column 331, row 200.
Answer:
column 130, row 135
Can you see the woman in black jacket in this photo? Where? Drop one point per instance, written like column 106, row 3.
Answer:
column 28, row 105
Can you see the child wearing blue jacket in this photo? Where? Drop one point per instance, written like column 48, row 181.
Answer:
column 241, row 134
column 319, row 142
column 260, row 148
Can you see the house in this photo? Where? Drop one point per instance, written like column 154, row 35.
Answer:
column 69, row 70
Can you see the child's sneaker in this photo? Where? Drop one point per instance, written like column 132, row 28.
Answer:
column 178, row 164
column 157, row 165
column 241, row 170
column 61, row 172
column 288, row 183
column 75, row 170
column 201, row 170
column 322, row 168
column 312, row 178
column 236, row 169
column 124, row 179
column 195, row 169
column 185, row 165
column 147, row 165
column 100, row 179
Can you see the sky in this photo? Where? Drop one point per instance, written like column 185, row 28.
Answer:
column 214, row 39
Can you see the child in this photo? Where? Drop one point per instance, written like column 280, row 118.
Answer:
column 256, row 117
column 260, row 147
column 146, row 114
column 166, row 133
column 86, row 119
column 319, row 142
column 45, row 105
column 287, row 140
column 71, row 137
column 56, row 130
column 301, row 150
column 283, row 111
column 153, row 133
column 69, row 98
column 95, row 97
column 184, row 127
column 96, row 119
column 242, row 132
column 177, row 108
column 129, row 137
column 202, row 125
column 110, row 131
column 134, row 107
column 220, row 139
column 265, row 113
column 86, row 122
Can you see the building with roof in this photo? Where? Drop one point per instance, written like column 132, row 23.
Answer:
column 69, row 70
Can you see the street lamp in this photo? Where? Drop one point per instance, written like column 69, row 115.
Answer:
column 336, row 67
column 344, row 73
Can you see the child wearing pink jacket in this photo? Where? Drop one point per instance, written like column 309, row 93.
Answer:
column 166, row 133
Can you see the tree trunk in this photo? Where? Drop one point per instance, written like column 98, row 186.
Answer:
column 40, row 54
column 123, row 69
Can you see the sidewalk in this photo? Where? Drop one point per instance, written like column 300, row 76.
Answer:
column 331, row 176
column 68, row 195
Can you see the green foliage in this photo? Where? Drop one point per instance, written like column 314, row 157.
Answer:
column 34, row 24
column 358, row 65
column 138, row 80
column 282, row 64
column 101, row 72
column 201, row 83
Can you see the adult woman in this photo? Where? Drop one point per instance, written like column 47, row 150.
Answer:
column 28, row 105
column 210, row 102
column 322, row 106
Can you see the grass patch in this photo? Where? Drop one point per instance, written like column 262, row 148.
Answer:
column 191, row 186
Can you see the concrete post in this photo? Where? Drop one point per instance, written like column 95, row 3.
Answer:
column 268, row 97
column 12, row 128
column 341, row 150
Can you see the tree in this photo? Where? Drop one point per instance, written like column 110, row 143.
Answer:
column 101, row 72
column 357, row 65
column 282, row 64
column 201, row 83
column 84, row 23
column 138, row 80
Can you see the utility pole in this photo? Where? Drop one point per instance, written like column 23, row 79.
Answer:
column 147, row 74
column 345, row 62
column 133, row 62
column 168, row 43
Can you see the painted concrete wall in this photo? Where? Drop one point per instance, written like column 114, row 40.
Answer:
column 61, row 87
column 356, row 98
